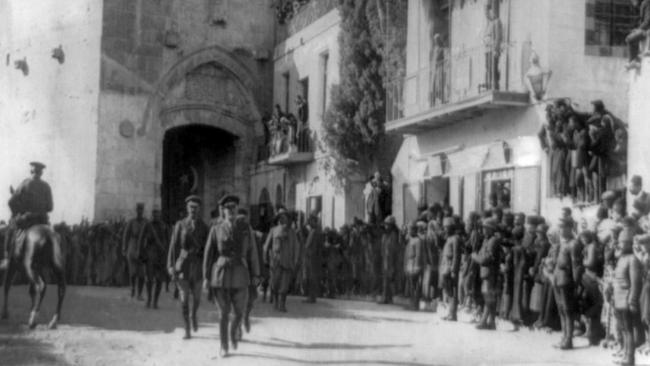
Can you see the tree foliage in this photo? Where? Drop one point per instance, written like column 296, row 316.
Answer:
column 371, row 44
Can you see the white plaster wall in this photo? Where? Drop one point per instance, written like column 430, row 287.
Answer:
column 639, row 110
column 51, row 114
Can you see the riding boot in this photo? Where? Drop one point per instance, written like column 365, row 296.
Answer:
column 156, row 294
column 140, row 282
column 283, row 303
column 149, row 285
column 186, row 318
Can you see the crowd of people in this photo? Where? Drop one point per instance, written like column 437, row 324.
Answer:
column 284, row 132
column 588, row 151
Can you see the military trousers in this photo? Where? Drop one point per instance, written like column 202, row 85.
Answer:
column 235, row 299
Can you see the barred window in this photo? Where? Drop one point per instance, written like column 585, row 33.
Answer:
column 607, row 24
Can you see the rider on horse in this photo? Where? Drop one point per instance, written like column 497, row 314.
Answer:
column 30, row 204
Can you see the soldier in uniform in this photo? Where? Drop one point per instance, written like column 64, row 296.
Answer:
column 314, row 246
column 230, row 265
column 154, row 245
column 414, row 264
column 450, row 266
column 389, row 255
column 563, row 281
column 131, row 250
column 628, row 280
column 489, row 260
column 280, row 253
column 185, row 258
column 30, row 204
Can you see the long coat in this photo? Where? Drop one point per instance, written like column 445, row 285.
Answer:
column 314, row 250
column 523, row 260
column 234, row 246
column 390, row 253
column 186, row 248
column 281, row 248
column 489, row 258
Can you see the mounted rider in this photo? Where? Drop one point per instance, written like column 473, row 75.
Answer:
column 30, row 204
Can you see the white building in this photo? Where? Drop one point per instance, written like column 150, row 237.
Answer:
column 468, row 139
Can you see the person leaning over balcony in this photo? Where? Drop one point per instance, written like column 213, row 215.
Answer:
column 639, row 33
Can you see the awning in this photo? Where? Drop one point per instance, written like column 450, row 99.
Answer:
column 435, row 166
column 467, row 161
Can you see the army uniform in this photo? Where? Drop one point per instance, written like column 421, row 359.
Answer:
column 30, row 205
column 450, row 260
column 131, row 249
column 280, row 253
column 389, row 256
column 564, row 289
column 233, row 244
column 489, row 258
column 314, row 246
column 414, row 265
column 154, row 245
column 185, row 260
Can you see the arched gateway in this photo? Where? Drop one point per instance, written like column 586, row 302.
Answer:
column 202, row 119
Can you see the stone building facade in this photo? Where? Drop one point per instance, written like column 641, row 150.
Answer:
column 467, row 132
column 145, row 84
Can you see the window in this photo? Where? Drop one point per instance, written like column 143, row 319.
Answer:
column 287, row 86
column 497, row 189
column 608, row 23
column 324, row 61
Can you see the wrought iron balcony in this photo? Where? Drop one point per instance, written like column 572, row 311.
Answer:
column 451, row 89
column 290, row 149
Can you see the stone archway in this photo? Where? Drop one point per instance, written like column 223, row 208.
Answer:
column 207, row 88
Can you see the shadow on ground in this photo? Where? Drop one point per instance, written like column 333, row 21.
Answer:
column 17, row 348
column 300, row 361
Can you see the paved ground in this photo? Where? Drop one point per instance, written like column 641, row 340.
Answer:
column 102, row 326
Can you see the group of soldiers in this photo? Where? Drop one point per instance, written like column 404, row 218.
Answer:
column 588, row 152
column 591, row 278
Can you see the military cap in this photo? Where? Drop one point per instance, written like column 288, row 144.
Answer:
column 608, row 196
column 490, row 223
column 533, row 220
column 389, row 220
column 282, row 212
column 193, row 198
column 542, row 228
column 227, row 199
column 598, row 104
column 37, row 165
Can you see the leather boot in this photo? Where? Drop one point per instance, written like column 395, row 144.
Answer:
column 186, row 319
column 283, row 303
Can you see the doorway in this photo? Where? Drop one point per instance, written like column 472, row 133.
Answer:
column 200, row 160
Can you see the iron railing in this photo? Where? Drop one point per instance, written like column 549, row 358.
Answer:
column 448, row 78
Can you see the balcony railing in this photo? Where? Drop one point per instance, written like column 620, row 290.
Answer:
column 452, row 79
column 289, row 147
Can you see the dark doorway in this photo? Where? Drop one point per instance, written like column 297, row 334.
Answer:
column 199, row 160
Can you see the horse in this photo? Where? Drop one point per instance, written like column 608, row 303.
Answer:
column 41, row 250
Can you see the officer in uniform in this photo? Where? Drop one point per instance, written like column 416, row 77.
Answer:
column 131, row 249
column 489, row 259
column 563, row 281
column 280, row 252
column 30, row 204
column 185, row 258
column 154, row 245
column 232, row 243
column 450, row 266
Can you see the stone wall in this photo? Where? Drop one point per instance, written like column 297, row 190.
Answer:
column 148, row 47
column 50, row 113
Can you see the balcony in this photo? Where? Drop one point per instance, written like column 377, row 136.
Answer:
column 455, row 88
column 286, row 150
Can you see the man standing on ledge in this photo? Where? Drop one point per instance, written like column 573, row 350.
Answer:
column 131, row 250
column 30, row 205
column 185, row 259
